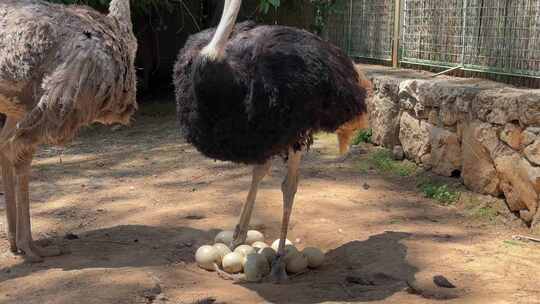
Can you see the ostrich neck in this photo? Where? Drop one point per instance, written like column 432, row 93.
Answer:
column 216, row 48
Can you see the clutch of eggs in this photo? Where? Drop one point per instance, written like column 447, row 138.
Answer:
column 255, row 256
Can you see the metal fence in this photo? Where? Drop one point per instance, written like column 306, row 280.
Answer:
column 495, row 36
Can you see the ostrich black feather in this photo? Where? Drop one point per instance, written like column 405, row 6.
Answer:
column 275, row 87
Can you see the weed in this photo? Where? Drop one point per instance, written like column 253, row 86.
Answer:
column 362, row 136
column 486, row 212
column 440, row 193
column 382, row 160
column 512, row 243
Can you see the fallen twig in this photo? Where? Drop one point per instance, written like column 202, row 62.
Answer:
column 227, row 276
column 524, row 237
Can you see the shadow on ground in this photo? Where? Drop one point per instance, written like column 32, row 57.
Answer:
column 352, row 273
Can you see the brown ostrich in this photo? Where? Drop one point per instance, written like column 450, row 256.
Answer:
column 61, row 68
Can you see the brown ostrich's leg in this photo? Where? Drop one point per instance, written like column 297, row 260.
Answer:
column 344, row 139
column 32, row 252
column 9, row 188
column 240, row 232
column 288, row 187
column 11, row 206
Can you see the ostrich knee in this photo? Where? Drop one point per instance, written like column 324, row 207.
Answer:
column 240, row 232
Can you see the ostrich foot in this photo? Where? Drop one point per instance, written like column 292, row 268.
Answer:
column 278, row 273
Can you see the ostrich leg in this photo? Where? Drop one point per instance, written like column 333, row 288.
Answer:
column 288, row 187
column 32, row 252
column 240, row 232
column 9, row 188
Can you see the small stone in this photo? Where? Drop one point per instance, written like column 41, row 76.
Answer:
column 365, row 186
column 441, row 281
column 398, row 153
column 526, row 215
column 162, row 298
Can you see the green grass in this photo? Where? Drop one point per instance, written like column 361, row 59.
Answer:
column 439, row 192
column 382, row 161
column 362, row 136
column 485, row 212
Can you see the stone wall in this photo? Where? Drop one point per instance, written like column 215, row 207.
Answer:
column 486, row 133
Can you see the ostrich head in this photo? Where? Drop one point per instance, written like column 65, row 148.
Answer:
column 215, row 50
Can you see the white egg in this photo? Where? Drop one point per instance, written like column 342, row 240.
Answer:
column 290, row 252
column 225, row 237
column 275, row 244
column 254, row 236
column 259, row 245
column 315, row 256
column 244, row 250
column 255, row 267
column 232, row 262
column 297, row 264
column 268, row 253
column 222, row 250
column 206, row 256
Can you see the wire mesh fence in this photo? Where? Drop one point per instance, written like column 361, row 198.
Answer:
column 362, row 27
column 494, row 36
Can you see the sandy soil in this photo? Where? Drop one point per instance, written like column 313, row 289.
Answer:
column 138, row 201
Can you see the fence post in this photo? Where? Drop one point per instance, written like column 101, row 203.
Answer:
column 349, row 36
column 397, row 33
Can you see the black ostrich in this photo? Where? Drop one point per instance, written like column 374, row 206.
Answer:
column 248, row 93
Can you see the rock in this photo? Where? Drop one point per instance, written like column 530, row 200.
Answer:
column 528, row 136
column 448, row 114
column 526, row 215
column 397, row 153
column 535, row 225
column 414, row 137
column 532, row 152
column 519, row 179
column 433, row 117
column 529, row 106
column 384, row 113
column 511, row 135
column 478, row 171
column 445, row 152
column 498, row 106
column 441, row 281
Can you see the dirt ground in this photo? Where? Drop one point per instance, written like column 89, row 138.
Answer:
column 132, row 205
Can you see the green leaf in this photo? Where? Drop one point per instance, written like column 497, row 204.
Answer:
column 265, row 6
column 275, row 3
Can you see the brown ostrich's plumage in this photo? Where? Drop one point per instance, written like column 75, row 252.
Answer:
column 61, row 68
